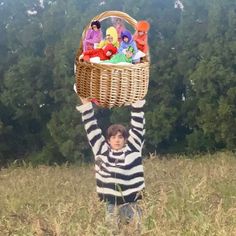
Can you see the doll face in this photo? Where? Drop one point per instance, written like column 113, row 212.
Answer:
column 108, row 53
column 141, row 33
column 109, row 38
column 94, row 27
column 118, row 22
column 129, row 54
column 126, row 39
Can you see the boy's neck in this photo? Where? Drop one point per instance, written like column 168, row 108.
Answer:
column 118, row 150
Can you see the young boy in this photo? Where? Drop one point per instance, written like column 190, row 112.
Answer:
column 118, row 164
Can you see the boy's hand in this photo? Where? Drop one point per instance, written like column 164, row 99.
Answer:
column 81, row 57
column 86, row 100
column 83, row 100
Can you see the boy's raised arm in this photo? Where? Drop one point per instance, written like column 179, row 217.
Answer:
column 137, row 131
column 94, row 133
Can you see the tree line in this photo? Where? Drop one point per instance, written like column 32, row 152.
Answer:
column 192, row 92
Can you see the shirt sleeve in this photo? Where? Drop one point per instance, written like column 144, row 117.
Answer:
column 137, row 131
column 121, row 48
column 101, row 44
column 87, row 37
column 94, row 38
column 135, row 47
column 94, row 133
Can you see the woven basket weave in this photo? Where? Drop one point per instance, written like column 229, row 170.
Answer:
column 112, row 85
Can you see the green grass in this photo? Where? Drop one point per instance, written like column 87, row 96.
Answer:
column 183, row 197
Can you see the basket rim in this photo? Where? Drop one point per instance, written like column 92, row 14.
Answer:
column 114, row 66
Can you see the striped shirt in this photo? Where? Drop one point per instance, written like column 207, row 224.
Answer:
column 119, row 174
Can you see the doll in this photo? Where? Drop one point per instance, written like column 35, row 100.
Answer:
column 103, row 53
column 111, row 38
column 122, row 57
column 141, row 36
column 127, row 40
column 119, row 24
column 93, row 36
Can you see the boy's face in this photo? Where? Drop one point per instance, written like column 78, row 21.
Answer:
column 126, row 39
column 117, row 141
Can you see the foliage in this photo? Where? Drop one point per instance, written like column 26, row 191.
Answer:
column 192, row 92
column 183, row 197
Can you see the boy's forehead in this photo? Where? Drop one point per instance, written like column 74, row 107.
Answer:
column 118, row 134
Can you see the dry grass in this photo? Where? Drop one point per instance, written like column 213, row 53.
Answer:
column 183, row 197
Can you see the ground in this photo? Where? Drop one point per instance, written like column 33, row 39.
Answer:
column 184, row 196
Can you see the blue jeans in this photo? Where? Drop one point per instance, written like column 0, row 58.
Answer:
column 118, row 216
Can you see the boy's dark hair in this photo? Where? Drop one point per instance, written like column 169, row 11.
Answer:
column 114, row 129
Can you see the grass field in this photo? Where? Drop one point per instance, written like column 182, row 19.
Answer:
column 183, row 197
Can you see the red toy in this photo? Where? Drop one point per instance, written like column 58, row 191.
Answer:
column 141, row 35
column 103, row 53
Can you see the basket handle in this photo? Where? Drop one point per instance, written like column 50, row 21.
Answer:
column 103, row 16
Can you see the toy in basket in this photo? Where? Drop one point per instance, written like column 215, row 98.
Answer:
column 112, row 85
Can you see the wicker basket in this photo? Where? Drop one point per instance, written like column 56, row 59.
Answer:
column 112, row 85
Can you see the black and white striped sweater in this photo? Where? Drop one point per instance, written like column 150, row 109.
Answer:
column 119, row 174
